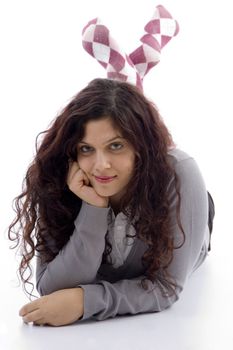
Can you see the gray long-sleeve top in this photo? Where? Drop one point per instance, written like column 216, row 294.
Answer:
column 111, row 290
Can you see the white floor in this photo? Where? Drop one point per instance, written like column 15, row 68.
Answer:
column 200, row 320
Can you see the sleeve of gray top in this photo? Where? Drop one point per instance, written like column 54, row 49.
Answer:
column 103, row 299
column 79, row 260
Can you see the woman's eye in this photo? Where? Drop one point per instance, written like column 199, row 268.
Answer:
column 116, row 146
column 85, row 149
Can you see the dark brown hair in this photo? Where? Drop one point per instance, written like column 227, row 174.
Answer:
column 46, row 208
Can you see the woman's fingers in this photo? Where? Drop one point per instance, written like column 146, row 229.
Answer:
column 33, row 311
column 76, row 178
column 78, row 183
column 34, row 316
column 85, row 179
column 58, row 308
column 30, row 307
column 40, row 322
column 73, row 168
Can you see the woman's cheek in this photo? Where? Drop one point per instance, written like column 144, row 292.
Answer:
column 81, row 162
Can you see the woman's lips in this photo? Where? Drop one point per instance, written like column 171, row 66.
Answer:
column 104, row 179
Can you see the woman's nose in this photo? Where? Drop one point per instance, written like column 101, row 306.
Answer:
column 102, row 162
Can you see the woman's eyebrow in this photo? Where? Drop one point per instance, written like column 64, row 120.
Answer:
column 110, row 140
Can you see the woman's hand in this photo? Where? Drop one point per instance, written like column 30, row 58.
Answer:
column 78, row 183
column 57, row 309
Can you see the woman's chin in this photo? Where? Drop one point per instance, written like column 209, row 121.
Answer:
column 104, row 192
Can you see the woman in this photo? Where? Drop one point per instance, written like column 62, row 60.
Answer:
column 115, row 214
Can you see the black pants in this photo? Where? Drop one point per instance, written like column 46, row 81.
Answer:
column 211, row 216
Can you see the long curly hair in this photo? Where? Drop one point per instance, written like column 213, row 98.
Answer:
column 46, row 208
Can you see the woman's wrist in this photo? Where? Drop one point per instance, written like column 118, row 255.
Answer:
column 80, row 301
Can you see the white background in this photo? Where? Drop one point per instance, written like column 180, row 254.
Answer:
column 42, row 65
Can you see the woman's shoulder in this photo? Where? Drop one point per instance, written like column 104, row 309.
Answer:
column 181, row 161
column 184, row 165
column 176, row 156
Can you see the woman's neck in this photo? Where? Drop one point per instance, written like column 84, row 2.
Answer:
column 115, row 205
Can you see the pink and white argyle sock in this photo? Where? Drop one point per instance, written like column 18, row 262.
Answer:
column 159, row 31
column 132, row 68
column 98, row 42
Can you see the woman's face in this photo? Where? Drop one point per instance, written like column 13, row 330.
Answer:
column 107, row 158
